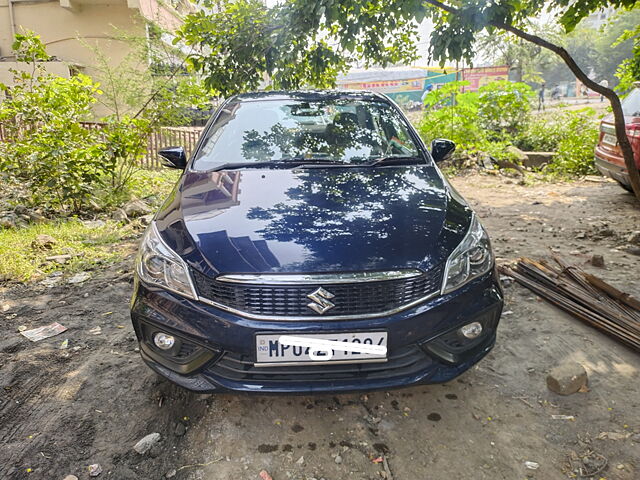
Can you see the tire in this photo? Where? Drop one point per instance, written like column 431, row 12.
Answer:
column 626, row 187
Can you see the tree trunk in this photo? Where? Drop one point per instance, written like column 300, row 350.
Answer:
column 618, row 115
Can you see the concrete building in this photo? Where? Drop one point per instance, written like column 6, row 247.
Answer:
column 66, row 27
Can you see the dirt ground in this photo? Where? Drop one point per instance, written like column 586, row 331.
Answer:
column 64, row 409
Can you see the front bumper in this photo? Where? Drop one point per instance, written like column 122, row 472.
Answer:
column 216, row 350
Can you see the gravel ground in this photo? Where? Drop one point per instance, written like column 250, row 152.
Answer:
column 62, row 410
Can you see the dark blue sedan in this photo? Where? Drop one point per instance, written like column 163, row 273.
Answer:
column 312, row 245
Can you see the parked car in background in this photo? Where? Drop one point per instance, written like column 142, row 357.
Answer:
column 609, row 160
column 311, row 217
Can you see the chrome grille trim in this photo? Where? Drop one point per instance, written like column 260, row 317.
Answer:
column 353, row 300
column 276, row 318
column 318, row 278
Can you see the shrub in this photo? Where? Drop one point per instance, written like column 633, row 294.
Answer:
column 541, row 135
column 575, row 148
column 498, row 116
column 572, row 134
column 47, row 148
column 504, row 106
column 63, row 165
column 453, row 115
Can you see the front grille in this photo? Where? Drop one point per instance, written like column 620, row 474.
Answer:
column 404, row 361
column 356, row 298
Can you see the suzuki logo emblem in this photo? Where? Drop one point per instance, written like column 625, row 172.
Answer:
column 320, row 303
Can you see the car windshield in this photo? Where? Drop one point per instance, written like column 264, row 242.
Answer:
column 631, row 104
column 328, row 131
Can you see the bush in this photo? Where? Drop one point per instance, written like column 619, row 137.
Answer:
column 572, row 134
column 47, row 148
column 504, row 106
column 471, row 119
column 498, row 116
column 575, row 149
column 541, row 135
column 453, row 115
column 63, row 165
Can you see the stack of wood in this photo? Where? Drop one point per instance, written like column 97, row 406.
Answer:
column 584, row 296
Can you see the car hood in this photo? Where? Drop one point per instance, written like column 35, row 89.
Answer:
column 314, row 219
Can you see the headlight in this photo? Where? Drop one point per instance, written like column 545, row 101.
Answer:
column 157, row 264
column 472, row 258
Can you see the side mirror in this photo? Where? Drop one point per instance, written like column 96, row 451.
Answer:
column 174, row 157
column 441, row 149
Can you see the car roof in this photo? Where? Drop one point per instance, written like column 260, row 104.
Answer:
column 310, row 95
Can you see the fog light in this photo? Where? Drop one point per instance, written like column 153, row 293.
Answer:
column 471, row 330
column 163, row 341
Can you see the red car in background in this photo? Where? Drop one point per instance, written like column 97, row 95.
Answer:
column 608, row 155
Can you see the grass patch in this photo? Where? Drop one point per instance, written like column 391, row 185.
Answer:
column 153, row 183
column 89, row 246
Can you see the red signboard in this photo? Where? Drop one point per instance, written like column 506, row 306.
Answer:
column 477, row 77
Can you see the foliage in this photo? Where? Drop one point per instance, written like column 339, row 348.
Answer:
column 572, row 134
column 126, row 142
column 29, row 48
column 579, row 134
column 629, row 70
column 149, row 81
column 498, row 115
column 296, row 43
column 504, row 105
column 454, row 115
column 524, row 59
column 65, row 166
column 476, row 120
column 47, row 147
column 543, row 133
column 599, row 52
column 238, row 44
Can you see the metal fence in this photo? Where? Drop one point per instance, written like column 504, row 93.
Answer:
column 186, row 137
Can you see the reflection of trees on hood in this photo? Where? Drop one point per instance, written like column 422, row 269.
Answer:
column 349, row 214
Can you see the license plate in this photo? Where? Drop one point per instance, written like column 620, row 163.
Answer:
column 610, row 139
column 302, row 348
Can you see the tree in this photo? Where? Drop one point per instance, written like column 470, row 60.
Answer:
column 629, row 70
column 308, row 42
column 524, row 59
column 600, row 52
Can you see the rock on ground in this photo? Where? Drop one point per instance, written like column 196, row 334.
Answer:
column 95, row 470
column 146, row 443
column 597, row 261
column 136, row 208
column 567, row 378
column 43, row 241
column 119, row 215
column 634, row 238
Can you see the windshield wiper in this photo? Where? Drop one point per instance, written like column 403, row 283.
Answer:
column 395, row 160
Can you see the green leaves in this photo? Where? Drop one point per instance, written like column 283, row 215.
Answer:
column 629, row 70
column 297, row 43
column 62, row 163
column 28, row 48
